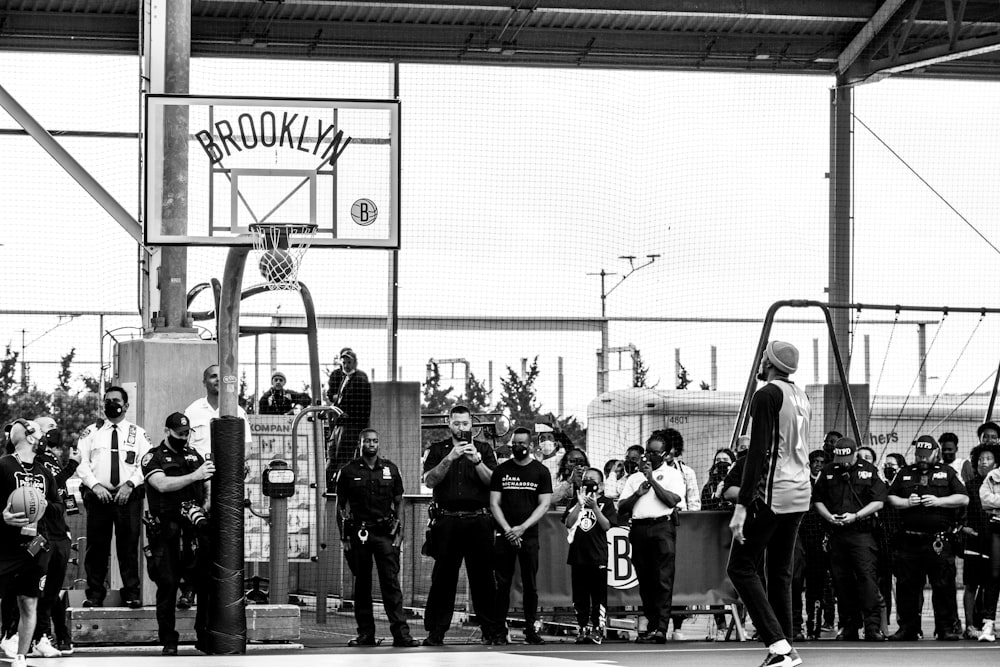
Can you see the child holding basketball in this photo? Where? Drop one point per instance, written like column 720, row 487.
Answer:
column 589, row 521
column 29, row 489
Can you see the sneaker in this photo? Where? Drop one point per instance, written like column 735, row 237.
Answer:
column 65, row 646
column 363, row 640
column 791, row 659
column 184, row 602
column 596, row 635
column 169, row 649
column 533, row 638
column 583, row 634
column 44, row 649
column 9, row 646
column 657, row 637
column 433, row 640
column 970, row 633
column 19, row 661
column 987, row 634
column 676, row 636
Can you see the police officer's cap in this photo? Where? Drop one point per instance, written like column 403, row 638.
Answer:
column 178, row 423
column 925, row 446
column 844, row 449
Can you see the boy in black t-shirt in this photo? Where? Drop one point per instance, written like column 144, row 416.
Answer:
column 588, row 522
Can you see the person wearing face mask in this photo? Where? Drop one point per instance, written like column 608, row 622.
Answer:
column 949, row 456
column 976, row 546
column 928, row 495
column 350, row 395
column 614, row 470
column 110, row 454
column 774, row 495
column 847, row 495
column 178, row 479
column 711, row 493
column 889, row 518
column 22, row 571
column 549, row 450
column 369, row 497
column 458, row 471
column 811, row 566
column 652, row 496
column 520, row 491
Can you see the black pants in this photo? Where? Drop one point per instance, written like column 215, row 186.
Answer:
column 178, row 550
column 456, row 539
column 103, row 520
column 798, row 584
column 653, row 555
column 853, row 562
column 770, row 610
column 506, row 555
column 917, row 563
column 590, row 594
column 378, row 548
column 993, row 587
column 51, row 615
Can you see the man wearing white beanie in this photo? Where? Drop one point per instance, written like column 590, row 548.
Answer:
column 774, row 494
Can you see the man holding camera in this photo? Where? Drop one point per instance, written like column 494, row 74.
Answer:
column 280, row 401
column 520, row 491
column 928, row 495
column 369, row 496
column 459, row 471
column 176, row 531
column 847, row 495
column 652, row 497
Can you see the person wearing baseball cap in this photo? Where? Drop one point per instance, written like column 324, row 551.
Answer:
column 350, row 396
column 774, row 495
column 177, row 479
column 928, row 495
column 847, row 495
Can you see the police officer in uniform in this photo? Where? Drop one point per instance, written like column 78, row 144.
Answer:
column 847, row 495
column 928, row 495
column 459, row 471
column 369, row 495
column 177, row 477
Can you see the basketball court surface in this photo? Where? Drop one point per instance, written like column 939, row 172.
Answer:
column 827, row 653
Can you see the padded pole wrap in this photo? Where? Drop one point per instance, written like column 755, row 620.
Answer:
column 227, row 623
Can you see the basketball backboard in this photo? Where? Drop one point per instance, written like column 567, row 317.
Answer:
column 250, row 160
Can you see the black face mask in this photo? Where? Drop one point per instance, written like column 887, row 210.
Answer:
column 520, row 451
column 721, row 467
column 841, row 469
column 113, row 410
column 177, row 443
column 655, row 459
column 923, row 465
column 888, row 472
column 630, row 466
column 53, row 438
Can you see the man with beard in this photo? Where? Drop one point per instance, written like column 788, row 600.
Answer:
column 520, row 490
column 774, row 494
column 928, row 495
column 110, row 455
column 458, row 471
column 369, row 496
column 23, row 556
column 652, row 496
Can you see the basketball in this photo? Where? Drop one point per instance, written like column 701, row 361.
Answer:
column 276, row 265
column 28, row 500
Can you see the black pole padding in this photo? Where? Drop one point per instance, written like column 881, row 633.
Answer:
column 227, row 621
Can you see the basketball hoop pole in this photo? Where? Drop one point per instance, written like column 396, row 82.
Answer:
column 229, row 330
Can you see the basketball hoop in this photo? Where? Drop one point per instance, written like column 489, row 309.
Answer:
column 282, row 244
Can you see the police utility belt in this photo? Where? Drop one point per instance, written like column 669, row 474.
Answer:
column 470, row 514
column 937, row 540
column 385, row 526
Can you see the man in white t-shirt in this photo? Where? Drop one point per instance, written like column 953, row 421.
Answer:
column 202, row 411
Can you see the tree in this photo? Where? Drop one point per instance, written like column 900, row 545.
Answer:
column 64, row 371
column 246, row 402
column 477, row 396
column 705, row 386
column 518, row 395
column 682, row 377
column 8, row 370
column 435, row 400
column 73, row 412
column 640, row 372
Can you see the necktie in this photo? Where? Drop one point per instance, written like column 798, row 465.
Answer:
column 115, row 475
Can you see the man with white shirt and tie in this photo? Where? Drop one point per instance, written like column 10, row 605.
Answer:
column 110, row 455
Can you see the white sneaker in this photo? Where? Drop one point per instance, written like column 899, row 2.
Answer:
column 44, row 649
column 19, row 661
column 988, row 633
column 9, row 647
column 676, row 636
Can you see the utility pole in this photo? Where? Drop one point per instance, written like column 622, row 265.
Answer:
column 602, row 353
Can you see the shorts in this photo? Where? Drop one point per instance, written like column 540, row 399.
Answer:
column 22, row 575
column 976, row 570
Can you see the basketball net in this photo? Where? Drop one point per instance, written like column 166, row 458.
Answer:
column 282, row 246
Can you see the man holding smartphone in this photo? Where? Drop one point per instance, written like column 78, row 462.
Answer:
column 847, row 495
column 459, row 470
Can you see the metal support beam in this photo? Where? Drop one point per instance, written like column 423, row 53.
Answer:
column 867, row 34
column 72, row 167
column 839, row 286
